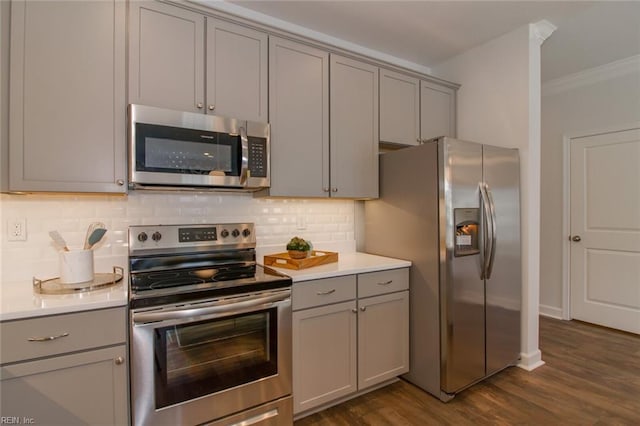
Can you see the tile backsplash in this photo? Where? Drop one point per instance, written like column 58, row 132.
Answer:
column 329, row 224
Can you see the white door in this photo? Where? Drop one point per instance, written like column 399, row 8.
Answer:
column 605, row 229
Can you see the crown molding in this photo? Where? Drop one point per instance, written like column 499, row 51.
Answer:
column 261, row 18
column 591, row 76
column 541, row 30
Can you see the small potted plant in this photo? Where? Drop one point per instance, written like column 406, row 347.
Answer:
column 298, row 248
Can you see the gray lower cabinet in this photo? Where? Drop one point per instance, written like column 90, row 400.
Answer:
column 187, row 61
column 414, row 110
column 349, row 334
column 67, row 96
column 67, row 369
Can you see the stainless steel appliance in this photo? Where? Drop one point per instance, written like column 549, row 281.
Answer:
column 183, row 150
column 210, row 331
column 453, row 208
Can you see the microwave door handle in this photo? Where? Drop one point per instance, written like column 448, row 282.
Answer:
column 217, row 309
column 244, row 167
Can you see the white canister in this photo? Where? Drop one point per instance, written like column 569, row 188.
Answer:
column 76, row 266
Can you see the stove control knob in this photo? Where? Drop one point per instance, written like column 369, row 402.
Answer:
column 156, row 236
column 142, row 237
column 224, row 233
column 246, row 233
column 235, row 233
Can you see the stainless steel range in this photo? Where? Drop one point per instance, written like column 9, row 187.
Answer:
column 210, row 331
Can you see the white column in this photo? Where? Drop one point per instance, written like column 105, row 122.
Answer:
column 531, row 357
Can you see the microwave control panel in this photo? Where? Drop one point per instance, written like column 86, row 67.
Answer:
column 258, row 156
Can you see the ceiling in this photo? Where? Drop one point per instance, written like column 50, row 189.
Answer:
column 426, row 33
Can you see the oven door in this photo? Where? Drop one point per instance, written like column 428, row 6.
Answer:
column 196, row 362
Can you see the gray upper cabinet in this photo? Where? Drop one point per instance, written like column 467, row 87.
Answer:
column 166, row 56
column 437, row 111
column 399, row 108
column 299, row 117
column 354, row 129
column 171, row 66
column 236, row 71
column 67, row 96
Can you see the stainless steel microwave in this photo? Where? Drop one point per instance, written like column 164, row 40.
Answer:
column 184, row 150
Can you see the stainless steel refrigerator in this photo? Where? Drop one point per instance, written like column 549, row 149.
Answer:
column 452, row 208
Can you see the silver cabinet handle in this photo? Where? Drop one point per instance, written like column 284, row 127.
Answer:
column 325, row 189
column 119, row 360
column 364, row 308
column 120, row 182
column 199, row 105
column 386, row 282
column 212, row 107
column 576, row 238
column 334, row 189
column 354, row 310
column 47, row 338
column 324, row 293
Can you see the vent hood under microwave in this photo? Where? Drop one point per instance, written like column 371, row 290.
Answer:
column 174, row 150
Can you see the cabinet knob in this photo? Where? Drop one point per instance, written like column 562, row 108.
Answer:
column 576, row 238
column 119, row 360
column 325, row 189
column 354, row 310
column 212, row 107
column 334, row 189
column 363, row 308
column 200, row 105
column 120, row 182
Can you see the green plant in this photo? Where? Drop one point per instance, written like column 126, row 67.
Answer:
column 298, row 244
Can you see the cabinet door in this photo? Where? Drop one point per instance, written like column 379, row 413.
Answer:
column 399, row 108
column 166, row 57
column 67, row 96
column 236, row 71
column 82, row 388
column 354, row 129
column 383, row 338
column 299, row 117
column 437, row 111
column 324, row 355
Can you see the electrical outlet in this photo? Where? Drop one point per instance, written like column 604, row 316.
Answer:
column 17, row 229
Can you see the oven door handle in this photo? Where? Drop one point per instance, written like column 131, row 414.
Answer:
column 225, row 308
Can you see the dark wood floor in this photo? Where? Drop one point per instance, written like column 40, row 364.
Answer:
column 591, row 376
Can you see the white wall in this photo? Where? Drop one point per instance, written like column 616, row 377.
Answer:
column 329, row 224
column 598, row 99
column 498, row 104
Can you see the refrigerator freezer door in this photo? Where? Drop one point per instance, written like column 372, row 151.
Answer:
column 503, row 285
column 461, row 286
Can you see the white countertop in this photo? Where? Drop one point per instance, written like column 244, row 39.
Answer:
column 19, row 301
column 347, row 264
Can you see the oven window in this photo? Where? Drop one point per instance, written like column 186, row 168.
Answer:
column 205, row 357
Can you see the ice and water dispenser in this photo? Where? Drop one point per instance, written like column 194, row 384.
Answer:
column 467, row 223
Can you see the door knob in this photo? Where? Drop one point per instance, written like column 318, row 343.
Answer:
column 576, row 238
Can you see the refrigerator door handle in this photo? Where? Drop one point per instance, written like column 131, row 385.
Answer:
column 486, row 231
column 494, row 232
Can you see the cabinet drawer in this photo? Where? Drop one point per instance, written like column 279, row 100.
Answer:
column 381, row 282
column 322, row 292
column 77, row 331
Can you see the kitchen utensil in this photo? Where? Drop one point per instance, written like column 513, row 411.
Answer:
column 57, row 238
column 92, row 227
column 95, row 237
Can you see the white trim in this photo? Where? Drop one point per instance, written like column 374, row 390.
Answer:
column 531, row 361
column 566, row 205
column 592, row 75
column 299, row 30
column 551, row 311
column 541, row 30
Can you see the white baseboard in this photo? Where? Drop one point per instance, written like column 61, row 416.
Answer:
column 551, row 311
column 531, row 361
